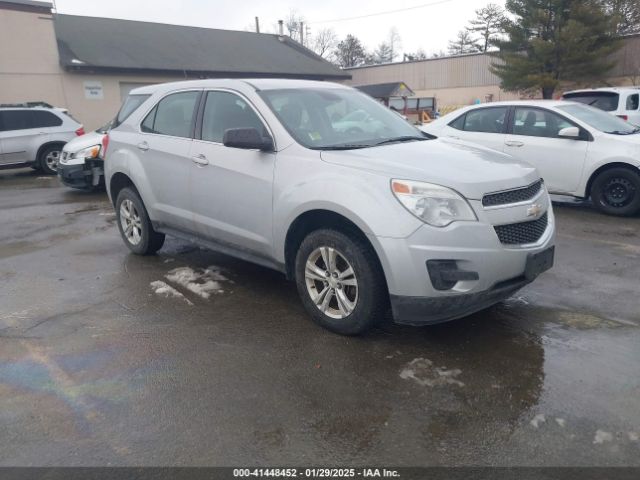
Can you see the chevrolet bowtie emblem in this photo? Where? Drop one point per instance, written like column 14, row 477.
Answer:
column 534, row 210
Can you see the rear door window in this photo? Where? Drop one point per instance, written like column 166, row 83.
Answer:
column 607, row 101
column 42, row 119
column 484, row 120
column 174, row 115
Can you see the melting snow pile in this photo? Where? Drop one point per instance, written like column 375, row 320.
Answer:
column 422, row 371
column 202, row 283
column 166, row 290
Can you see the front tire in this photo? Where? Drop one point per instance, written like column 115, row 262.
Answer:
column 49, row 158
column 134, row 224
column 616, row 191
column 340, row 282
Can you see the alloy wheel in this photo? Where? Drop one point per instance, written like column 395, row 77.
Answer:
column 130, row 222
column 52, row 159
column 331, row 282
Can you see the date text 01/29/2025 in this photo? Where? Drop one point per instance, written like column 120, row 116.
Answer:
column 315, row 473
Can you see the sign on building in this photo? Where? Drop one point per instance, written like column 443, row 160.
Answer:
column 93, row 90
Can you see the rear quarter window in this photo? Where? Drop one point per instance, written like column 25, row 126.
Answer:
column 633, row 101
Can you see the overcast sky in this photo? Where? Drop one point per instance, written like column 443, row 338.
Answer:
column 429, row 27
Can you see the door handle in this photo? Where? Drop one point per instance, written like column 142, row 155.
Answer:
column 200, row 160
column 144, row 146
column 514, row 143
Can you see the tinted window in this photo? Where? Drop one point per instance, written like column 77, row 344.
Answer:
column 26, row 119
column 633, row 101
column 41, row 119
column 486, row 120
column 173, row 116
column 458, row 123
column 534, row 122
column 129, row 106
column 224, row 110
column 607, row 101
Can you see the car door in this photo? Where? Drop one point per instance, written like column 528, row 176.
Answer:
column 22, row 135
column 231, row 188
column 533, row 137
column 485, row 126
column 164, row 146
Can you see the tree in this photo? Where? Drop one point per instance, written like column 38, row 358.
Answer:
column 420, row 54
column 292, row 23
column 383, row 54
column 394, row 42
column 626, row 14
column 489, row 23
column 553, row 41
column 463, row 43
column 324, row 42
column 350, row 52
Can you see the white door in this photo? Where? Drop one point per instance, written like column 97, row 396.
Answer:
column 533, row 138
column 485, row 126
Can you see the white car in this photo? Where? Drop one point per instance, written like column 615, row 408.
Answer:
column 621, row 102
column 358, row 122
column 579, row 150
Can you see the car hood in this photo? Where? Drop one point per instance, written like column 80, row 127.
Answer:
column 467, row 168
column 85, row 141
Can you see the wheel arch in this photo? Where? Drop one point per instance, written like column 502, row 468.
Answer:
column 118, row 182
column 46, row 145
column 605, row 167
column 315, row 219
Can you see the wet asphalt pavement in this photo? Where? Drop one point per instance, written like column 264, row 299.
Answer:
column 100, row 364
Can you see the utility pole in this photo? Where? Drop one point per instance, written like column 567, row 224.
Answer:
column 257, row 25
column 280, row 27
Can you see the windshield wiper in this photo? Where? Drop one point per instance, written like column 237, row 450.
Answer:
column 623, row 132
column 406, row 138
column 342, row 147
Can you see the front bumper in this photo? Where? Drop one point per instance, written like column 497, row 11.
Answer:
column 490, row 271
column 84, row 176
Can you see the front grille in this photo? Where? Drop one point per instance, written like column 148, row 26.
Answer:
column 512, row 196
column 522, row 233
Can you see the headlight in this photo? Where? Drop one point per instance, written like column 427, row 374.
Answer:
column 438, row 206
column 89, row 152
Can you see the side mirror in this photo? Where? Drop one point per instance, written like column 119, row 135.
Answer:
column 247, row 138
column 570, row 132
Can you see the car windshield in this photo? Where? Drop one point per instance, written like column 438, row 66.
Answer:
column 605, row 122
column 337, row 119
column 128, row 107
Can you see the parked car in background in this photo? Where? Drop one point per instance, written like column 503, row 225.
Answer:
column 257, row 169
column 622, row 102
column 81, row 164
column 579, row 150
column 357, row 122
column 34, row 137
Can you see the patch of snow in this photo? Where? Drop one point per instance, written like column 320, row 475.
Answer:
column 602, row 436
column 561, row 422
column 422, row 371
column 202, row 283
column 169, row 260
column 165, row 290
column 633, row 436
column 538, row 419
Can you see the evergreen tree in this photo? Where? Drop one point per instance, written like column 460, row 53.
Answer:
column 350, row 52
column 554, row 41
column 626, row 14
column 489, row 23
column 463, row 43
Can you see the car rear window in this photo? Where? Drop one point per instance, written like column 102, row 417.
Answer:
column 607, row 101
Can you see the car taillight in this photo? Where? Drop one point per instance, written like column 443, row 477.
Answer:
column 105, row 145
column 80, row 131
column 624, row 117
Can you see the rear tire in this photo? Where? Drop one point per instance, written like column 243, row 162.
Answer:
column 349, row 295
column 134, row 224
column 49, row 158
column 616, row 191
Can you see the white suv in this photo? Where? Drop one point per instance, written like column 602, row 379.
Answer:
column 622, row 102
column 34, row 137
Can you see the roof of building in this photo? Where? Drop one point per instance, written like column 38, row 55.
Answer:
column 28, row 5
column 387, row 90
column 112, row 44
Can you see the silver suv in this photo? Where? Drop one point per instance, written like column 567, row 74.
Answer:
column 362, row 220
column 34, row 137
